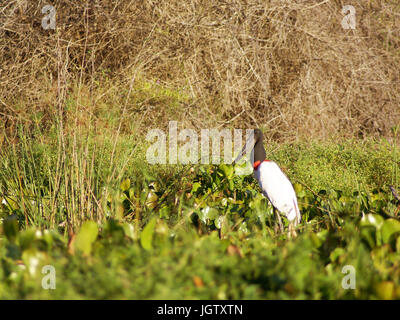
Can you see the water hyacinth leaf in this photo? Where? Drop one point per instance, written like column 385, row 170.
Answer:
column 384, row 290
column 315, row 240
column 119, row 210
column 319, row 238
column 301, row 194
column 33, row 259
column 231, row 185
column 377, row 196
column 195, row 187
column 297, row 187
column 13, row 251
column 243, row 230
column 335, row 254
column 164, row 212
column 336, row 205
column 389, row 228
column 49, row 237
column 372, row 220
column 332, row 194
column 26, row 239
column 224, row 202
column 151, row 200
column 368, row 234
column 244, row 169
column 398, row 245
column 129, row 231
column 344, row 200
column 114, row 230
column 219, row 222
column 131, row 194
column 10, row 227
column 143, row 196
column 125, row 185
column 161, row 228
column 256, row 202
column 146, row 237
column 227, row 170
column 378, row 204
column 208, row 213
column 85, row 238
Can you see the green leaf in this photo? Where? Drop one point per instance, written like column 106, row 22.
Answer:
column 126, row 184
column 10, row 227
column 297, row 187
column 86, row 236
column 319, row 238
column 219, row 222
column 129, row 231
column 26, row 239
column 146, row 237
column 243, row 169
column 335, row 254
column 372, row 220
column 227, row 170
column 389, row 228
column 195, row 187
column 33, row 260
column 119, row 210
column 164, row 212
column 384, row 290
column 208, row 213
column 368, row 233
column 151, row 201
column 398, row 245
column 131, row 194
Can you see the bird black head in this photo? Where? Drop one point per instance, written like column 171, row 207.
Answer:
column 259, row 151
column 258, row 135
column 255, row 144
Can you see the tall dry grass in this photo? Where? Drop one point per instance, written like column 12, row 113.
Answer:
column 286, row 66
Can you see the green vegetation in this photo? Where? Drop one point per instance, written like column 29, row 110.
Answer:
column 77, row 193
column 202, row 232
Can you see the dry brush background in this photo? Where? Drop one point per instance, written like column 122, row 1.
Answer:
column 285, row 66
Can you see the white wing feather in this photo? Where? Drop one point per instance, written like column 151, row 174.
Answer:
column 278, row 189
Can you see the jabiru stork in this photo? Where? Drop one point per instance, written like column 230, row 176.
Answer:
column 274, row 184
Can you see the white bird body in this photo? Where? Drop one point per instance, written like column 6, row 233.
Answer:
column 278, row 189
column 273, row 182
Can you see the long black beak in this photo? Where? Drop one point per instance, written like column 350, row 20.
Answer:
column 249, row 145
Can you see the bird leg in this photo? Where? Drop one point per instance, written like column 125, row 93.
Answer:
column 292, row 230
column 279, row 221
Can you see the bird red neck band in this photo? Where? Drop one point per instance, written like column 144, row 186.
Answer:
column 257, row 164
